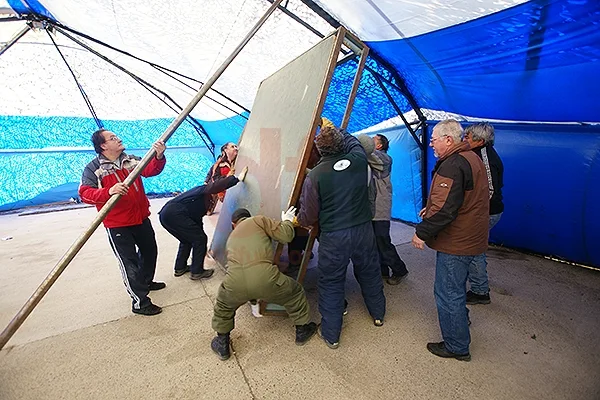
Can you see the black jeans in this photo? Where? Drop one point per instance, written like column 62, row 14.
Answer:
column 135, row 248
column 388, row 255
column 176, row 219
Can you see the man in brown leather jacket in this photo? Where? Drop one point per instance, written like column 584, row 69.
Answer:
column 455, row 224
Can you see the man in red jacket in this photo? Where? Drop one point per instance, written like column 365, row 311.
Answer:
column 129, row 230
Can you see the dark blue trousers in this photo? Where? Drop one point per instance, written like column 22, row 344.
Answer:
column 336, row 249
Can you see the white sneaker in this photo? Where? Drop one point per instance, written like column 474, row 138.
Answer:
column 256, row 310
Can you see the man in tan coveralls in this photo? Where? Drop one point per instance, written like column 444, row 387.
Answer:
column 252, row 275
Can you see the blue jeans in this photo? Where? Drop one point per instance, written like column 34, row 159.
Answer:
column 451, row 300
column 478, row 276
column 494, row 219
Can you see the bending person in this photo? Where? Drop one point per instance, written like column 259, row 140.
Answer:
column 182, row 218
column 251, row 275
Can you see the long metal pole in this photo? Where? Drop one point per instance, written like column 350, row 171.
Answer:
column 37, row 296
column 355, row 85
column 15, row 39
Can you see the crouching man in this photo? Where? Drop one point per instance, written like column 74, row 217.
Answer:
column 251, row 274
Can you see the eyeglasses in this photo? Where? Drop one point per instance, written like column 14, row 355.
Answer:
column 114, row 138
column 433, row 139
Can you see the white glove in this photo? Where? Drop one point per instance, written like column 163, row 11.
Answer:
column 289, row 214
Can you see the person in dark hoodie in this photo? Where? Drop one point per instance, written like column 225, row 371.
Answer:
column 480, row 137
column 182, row 218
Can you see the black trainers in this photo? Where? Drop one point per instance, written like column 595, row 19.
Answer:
column 179, row 272
column 395, row 279
column 150, row 309
column 207, row 273
column 220, row 345
column 378, row 322
column 439, row 349
column 345, row 308
column 305, row 332
column 157, row 285
column 474, row 298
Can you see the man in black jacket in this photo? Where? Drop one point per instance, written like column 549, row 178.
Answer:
column 335, row 195
column 481, row 138
column 182, row 218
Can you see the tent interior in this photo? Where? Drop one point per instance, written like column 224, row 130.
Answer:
column 529, row 67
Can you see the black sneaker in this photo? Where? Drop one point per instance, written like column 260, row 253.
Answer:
column 157, row 285
column 150, row 309
column 305, row 332
column 474, row 298
column 378, row 322
column 439, row 349
column 179, row 272
column 207, row 273
column 220, row 345
column 395, row 279
column 345, row 307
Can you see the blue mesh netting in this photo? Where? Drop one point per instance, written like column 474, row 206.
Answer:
column 371, row 105
column 27, row 176
column 44, row 132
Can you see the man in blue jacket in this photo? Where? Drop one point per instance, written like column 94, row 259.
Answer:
column 182, row 218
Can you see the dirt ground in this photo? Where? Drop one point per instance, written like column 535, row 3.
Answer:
column 538, row 339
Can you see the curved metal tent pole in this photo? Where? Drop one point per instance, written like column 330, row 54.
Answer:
column 37, row 296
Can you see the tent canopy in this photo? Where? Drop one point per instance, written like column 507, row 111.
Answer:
column 530, row 61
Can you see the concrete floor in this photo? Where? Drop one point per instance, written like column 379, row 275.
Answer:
column 539, row 339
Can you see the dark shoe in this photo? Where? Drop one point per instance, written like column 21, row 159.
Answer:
column 331, row 345
column 220, row 345
column 439, row 349
column 151, row 309
column 345, row 307
column 474, row 298
column 305, row 332
column 207, row 273
column 179, row 272
column 157, row 285
column 378, row 322
column 396, row 279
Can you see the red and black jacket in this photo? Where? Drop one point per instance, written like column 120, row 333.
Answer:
column 101, row 174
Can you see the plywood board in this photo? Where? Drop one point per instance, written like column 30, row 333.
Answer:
column 277, row 138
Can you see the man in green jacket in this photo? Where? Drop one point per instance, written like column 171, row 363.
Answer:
column 251, row 274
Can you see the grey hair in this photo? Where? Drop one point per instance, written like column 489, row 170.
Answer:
column 481, row 131
column 450, row 128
